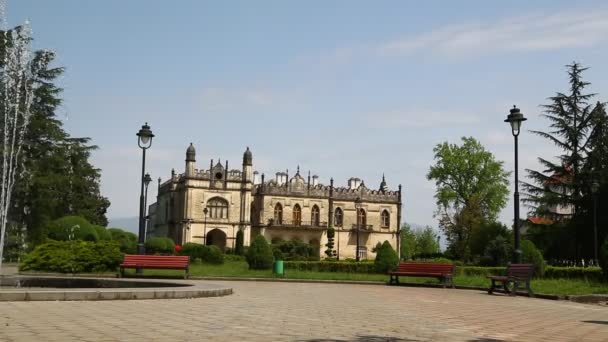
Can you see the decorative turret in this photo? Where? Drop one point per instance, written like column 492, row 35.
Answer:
column 190, row 160
column 191, row 153
column 247, row 157
column 383, row 186
column 247, row 166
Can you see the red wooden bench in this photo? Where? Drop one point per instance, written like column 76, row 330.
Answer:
column 156, row 262
column 516, row 274
column 443, row 272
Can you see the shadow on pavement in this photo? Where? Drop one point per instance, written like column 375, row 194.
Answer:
column 364, row 338
column 596, row 322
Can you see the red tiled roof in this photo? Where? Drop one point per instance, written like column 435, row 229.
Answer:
column 540, row 220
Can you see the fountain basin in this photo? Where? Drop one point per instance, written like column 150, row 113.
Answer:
column 37, row 288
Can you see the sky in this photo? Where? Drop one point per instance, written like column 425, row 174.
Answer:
column 341, row 88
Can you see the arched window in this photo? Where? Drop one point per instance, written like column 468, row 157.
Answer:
column 338, row 217
column 218, row 208
column 361, row 218
column 297, row 215
column 278, row 213
column 314, row 216
column 386, row 219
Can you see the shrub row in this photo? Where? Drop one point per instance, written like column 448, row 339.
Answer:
column 331, row 266
column 73, row 257
column 589, row 273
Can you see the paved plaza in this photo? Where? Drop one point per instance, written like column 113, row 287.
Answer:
column 266, row 311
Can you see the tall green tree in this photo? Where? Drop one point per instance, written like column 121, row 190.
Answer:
column 562, row 190
column 56, row 178
column 560, row 184
column 471, row 188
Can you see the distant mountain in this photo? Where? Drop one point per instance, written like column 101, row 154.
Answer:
column 130, row 224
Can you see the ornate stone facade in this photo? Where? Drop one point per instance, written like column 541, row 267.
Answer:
column 210, row 206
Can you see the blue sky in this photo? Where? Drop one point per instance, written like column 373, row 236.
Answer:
column 343, row 88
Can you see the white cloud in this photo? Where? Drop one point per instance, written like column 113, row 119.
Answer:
column 565, row 29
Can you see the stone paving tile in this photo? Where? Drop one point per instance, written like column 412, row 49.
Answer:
column 260, row 311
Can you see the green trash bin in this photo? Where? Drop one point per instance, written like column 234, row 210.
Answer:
column 278, row 267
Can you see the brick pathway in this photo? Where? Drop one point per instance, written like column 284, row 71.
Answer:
column 262, row 311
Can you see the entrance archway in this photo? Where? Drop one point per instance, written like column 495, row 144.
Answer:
column 217, row 238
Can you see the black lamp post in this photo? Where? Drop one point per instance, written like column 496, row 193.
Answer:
column 515, row 118
column 144, row 140
column 595, row 186
column 205, row 211
column 358, row 209
column 147, row 180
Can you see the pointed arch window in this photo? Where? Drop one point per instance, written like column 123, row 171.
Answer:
column 338, row 217
column 361, row 218
column 278, row 213
column 297, row 215
column 218, row 208
column 314, row 216
column 385, row 219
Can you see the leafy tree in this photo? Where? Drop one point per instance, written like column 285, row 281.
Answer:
column 471, row 188
column 561, row 191
column 426, row 241
column 57, row 178
column 417, row 241
column 486, row 232
column 497, row 252
column 408, row 242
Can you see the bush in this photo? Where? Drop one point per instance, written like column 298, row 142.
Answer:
column 212, row 255
column 159, row 245
column 62, row 229
column 386, row 258
column 531, row 255
column 603, row 256
column 296, row 250
column 126, row 240
column 193, row 250
column 277, row 254
column 102, row 233
column 259, row 255
column 73, row 256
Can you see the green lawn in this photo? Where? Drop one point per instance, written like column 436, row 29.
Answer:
column 241, row 270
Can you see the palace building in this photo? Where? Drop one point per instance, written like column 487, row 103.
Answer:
column 209, row 206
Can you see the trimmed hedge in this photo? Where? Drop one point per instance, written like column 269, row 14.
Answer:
column 73, row 257
column 331, row 266
column 589, row 273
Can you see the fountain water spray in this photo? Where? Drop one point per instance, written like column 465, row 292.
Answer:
column 15, row 99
